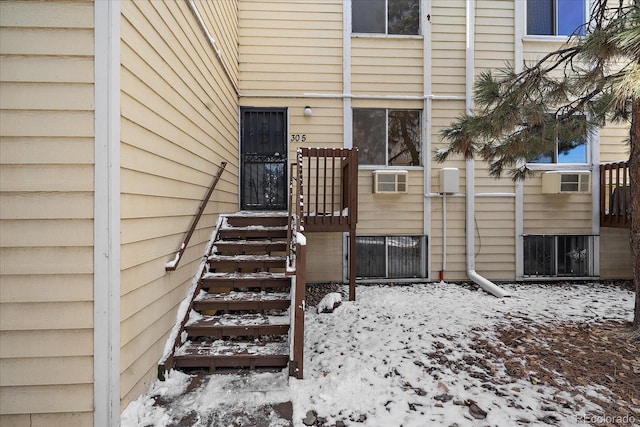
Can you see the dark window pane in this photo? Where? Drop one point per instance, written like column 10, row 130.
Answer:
column 539, row 256
column 573, row 256
column 543, row 158
column 404, row 17
column 404, row 138
column 370, row 256
column 368, row 16
column 369, row 135
column 540, row 17
column 405, row 256
column 571, row 15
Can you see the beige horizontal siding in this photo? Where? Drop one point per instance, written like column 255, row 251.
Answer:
column 25, row 371
column 69, row 398
column 179, row 122
column 78, row 419
column 390, row 214
column 290, row 46
column 328, row 267
column 387, row 65
column 46, row 343
column 555, row 213
column 46, row 226
column 495, row 237
column 613, row 142
column 46, row 205
column 615, row 254
column 448, row 47
column 494, row 37
column 58, row 288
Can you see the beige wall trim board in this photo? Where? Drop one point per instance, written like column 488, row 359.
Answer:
column 425, row 24
column 106, row 279
column 346, row 77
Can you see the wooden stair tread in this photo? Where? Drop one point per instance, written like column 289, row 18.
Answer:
column 241, row 320
column 262, row 275
column 252, row 232
column 245, row 262
column 271, row 218
column 264, row 279
column 266, row 244
column 243, row 301
column 247, row 258
column 226, row 348
column 244, row 296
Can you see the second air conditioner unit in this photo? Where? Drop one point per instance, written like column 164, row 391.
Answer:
column 390, row 181
column 566, row 182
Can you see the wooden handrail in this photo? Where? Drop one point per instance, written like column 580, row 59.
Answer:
column 173, row 264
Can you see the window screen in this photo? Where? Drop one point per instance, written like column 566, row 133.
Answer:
column 555, row 17
column 388, row 137
column 558, row 256
column 390, row 257
column 401, row 17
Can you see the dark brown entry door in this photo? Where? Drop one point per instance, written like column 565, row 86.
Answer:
column 263, row 155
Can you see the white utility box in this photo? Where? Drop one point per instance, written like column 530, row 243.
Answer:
column 449, row 180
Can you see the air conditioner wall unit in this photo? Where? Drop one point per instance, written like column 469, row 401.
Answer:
column 566, row 182
column 390, row 181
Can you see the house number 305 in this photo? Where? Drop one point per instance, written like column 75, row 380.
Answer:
column 298, row 137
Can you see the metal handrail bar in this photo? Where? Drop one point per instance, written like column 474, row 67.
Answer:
column 173, row 264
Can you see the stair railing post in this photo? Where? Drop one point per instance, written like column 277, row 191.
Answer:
column 299, row 309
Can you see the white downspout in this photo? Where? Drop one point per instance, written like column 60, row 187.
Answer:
column 484, row 283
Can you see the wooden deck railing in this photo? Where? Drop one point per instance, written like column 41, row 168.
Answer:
column 331, row 188
column 173, row 264
column 615, row 195
column 323, row 196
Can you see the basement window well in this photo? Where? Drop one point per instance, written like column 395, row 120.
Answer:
column 391, row 257
column 558, row 256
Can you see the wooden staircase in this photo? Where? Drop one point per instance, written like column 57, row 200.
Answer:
column 245, row 307
column 239, row 317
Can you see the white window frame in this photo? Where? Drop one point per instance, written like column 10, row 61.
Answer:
column 591, row 257
column 566, row 166
column 386, row 164
column 424, row 256
column 386, row 24
column 554, row 37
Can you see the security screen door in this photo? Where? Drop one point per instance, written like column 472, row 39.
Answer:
column 263, row 154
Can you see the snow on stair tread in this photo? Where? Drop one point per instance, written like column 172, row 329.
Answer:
column 247, row 258
column 239, row 320
column 251, row 242
column 254, row 227
column 247, row 276
column 233, row 348
column 243, row 296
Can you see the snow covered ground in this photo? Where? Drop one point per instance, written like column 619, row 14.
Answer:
column 391, row 358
